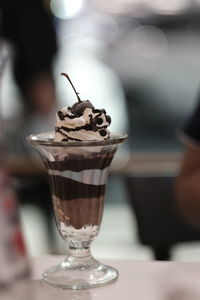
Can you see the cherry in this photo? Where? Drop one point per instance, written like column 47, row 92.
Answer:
column 78, row 107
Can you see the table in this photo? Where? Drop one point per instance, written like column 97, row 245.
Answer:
column 138, row 280
column 133, row 163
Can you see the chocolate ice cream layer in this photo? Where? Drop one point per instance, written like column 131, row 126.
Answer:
column 79, row 212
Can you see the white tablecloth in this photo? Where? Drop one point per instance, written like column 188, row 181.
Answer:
column 145, row 280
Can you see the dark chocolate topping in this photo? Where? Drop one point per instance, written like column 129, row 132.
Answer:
column 85, row 127
column 108, row 119
column 103, row 132
column 99, row 121
column 79, row 107
column 61, row 115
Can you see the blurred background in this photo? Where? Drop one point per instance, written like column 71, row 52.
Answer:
column 138, row 59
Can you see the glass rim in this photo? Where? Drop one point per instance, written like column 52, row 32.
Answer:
column 35, row 140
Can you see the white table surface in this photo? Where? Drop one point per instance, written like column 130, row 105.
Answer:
column 145, row 280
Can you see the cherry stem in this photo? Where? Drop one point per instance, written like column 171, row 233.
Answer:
column 77, row 94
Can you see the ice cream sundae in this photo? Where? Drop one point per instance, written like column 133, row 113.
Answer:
column 77, row 157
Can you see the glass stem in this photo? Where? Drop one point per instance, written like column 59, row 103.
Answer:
column 79, row 258
column 79, row 253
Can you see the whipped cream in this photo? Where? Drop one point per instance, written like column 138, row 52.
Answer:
column 82, row 122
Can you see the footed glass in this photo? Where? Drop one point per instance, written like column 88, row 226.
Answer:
column 78, row 175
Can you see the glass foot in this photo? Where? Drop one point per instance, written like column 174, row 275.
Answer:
column 70, row 275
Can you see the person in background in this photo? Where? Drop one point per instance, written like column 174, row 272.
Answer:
column 28, row 27
column 187, row 185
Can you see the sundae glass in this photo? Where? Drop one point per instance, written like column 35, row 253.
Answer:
column 78, row 171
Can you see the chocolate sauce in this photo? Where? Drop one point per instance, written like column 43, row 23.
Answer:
column 68, row 189
column 78, row 164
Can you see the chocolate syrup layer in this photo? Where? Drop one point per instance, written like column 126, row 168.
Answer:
column 80, row 163
column 67, row 189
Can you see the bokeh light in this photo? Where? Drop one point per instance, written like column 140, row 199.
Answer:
column 169, row 7
column 97, row 29
column 146, row 41
column 112, row 6
column 106, row 27
column 150, row 41
column 66, row 9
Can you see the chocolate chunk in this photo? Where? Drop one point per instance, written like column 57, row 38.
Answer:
column 103, row 132
column 61, row 115
column 99, row 121
column 108, row 119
